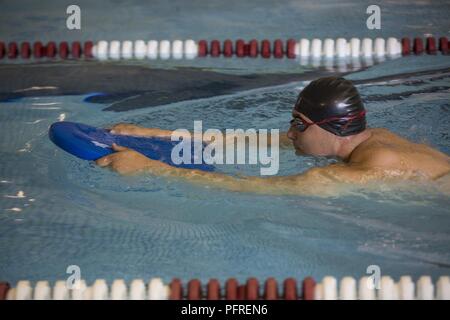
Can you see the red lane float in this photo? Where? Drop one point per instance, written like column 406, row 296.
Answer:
column 431, row 45
column 290, row 289
column 4, row 288
column 12, row 50
column 443, row 45
column 25, row 50
column 215, row 48
column 240, row 48
column 241, row 292
column 265, row 49
column 278, row 49
column 246, row 49
column 51, row 49
column 76, row 50
column 202, row 48
column 290, row 48
column 406, row 46
column 271, row 289
column 252, row 289
column 87, row 49
column 253, row 50
column 2, row 49
column 63, row 50
column 194, row 290
column 38, row 50
column 231, row 289
column 227, row 48
column 176, row 289
column 418, row 46
column 308, row 288
column 213, row 290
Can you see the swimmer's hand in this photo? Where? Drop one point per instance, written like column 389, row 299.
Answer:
column 126, row 161
column 133, row 130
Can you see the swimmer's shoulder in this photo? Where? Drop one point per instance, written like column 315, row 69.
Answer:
column 385, row 136
column 382, row 140
column 378, row 150
column 386, row 139
column 385, row 149
column 376, row 157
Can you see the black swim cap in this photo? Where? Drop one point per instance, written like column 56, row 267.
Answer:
column 333, row 104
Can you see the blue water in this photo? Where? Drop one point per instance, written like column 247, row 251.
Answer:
column 57, row 210
column 73, row 212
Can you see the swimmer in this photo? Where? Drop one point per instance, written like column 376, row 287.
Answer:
column 328, row 119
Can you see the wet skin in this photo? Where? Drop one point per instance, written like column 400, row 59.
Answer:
column 370, row 156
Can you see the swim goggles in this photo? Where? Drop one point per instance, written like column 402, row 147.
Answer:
column 301, row 124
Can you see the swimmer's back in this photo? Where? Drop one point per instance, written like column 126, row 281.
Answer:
column 387, row 150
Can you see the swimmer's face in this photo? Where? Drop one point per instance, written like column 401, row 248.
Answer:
column 313, row 141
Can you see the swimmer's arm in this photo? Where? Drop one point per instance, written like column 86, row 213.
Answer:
column 134, row 130
column 316, row 181
column 130, row 129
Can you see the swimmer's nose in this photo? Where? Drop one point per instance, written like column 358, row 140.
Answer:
column 291, row 134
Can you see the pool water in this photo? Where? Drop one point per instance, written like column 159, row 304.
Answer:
column 57, row 210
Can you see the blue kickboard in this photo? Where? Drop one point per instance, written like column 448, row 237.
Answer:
column 91, row 143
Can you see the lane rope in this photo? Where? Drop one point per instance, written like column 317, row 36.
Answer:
column 329, row 288
column 189, row 49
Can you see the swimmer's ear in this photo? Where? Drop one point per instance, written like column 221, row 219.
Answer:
column 117, row 148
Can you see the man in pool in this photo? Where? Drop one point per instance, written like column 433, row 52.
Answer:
column 328, row 119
